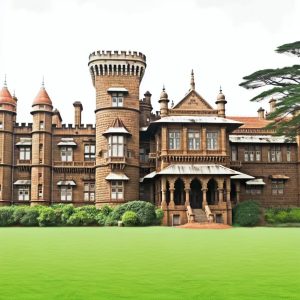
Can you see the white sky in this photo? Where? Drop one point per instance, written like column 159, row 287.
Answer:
column 221, row 40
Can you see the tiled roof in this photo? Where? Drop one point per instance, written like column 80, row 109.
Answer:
column 5, row 97
column 251, row 122
column 42, row 98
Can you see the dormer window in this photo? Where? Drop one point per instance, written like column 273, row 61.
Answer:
column 117, row 99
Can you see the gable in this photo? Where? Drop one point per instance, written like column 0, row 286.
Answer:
column 193, row 101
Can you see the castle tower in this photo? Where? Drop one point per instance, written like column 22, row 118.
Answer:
column 145, row 108
column 41, row 149
column 221, row 102
column 116, row 77
column 7, row 117
column 163, row 103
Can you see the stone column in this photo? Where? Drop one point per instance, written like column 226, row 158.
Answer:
column 163, row 193
column 172, row 203
column 228, row 190
column 187, row 197
column 204, row 202
column 220, row 195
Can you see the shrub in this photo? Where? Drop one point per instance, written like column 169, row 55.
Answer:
column 6, row 216
column 145, row 212
column 63, row 212
column 106, row 210
column 101, row 219
column 130, row 218
column 110, row 221
column 80, row 218
column 47, row 217
column 159, row 216
column 18, row 213
column 282, row 215
column 92, row 213
column 30, row 218
column 246, row 213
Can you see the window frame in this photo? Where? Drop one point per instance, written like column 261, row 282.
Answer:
column 193, row 142
column 118, row 186
column 117, row 99
column 66, row 153
column 67, row 190
column 89, row 191
column 116, row 146
column 89, row 155
column 23, row 193
column 25, row 153
column 277, row 187
column 212, row 140
column 174, row 139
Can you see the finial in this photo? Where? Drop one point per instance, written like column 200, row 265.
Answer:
column 172, row 104
column 43, row 82
column 192, row 80
column 14, row 94
column 220, row 89
column 5, row 83
column 164, row 89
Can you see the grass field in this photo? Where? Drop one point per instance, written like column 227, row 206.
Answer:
column 149, row 263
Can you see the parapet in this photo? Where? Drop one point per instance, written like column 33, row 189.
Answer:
column 115, row 63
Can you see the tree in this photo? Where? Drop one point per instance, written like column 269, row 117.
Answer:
column 284, row 86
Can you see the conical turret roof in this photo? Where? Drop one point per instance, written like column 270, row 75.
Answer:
column 42, row 98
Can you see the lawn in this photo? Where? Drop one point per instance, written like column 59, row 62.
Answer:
column 149, row 263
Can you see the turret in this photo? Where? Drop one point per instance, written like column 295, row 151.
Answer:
column 272, row 103
column 145, row 108
column 163, row 102
column 261, row 113
column 56, row 118
column 116, row 77
column 7, row 118
column 77, row 113
column 41, row 148
column 221, row 102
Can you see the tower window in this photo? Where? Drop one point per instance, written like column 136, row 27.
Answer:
column 89, row 191
column 1, row 125
column 40, row 191
column 89, row 152
column 116, row 146
column 66, row 153
column 42, row 125
column 25, row 153
column 117, row 190
column 66, row 193
column 117, row 99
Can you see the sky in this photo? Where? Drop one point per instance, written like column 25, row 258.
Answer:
column 221, row 40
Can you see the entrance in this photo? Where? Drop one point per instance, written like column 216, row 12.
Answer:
column 196, row 194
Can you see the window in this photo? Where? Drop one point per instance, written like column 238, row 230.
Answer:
column 253, row 189
column 66, row 153
column 1, row 125
column 212, row 140
column 42, row 125
column 89, row 152
column 40, row 191
column 144, row 157
column 116, row 147
column 288, row 153
column 66, row 193
column 117, row 99
column 252, row 153
column 193, row 140
column 117, row 190
column 277, row 187
column 23, row 193
column 25, row 153
column 275, row 153
column 234, row 153
column 89, row 191
column 174, row 140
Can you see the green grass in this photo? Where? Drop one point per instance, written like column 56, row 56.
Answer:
column 149, row 263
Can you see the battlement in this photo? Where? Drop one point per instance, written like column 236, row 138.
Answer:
column 120, row 55
column 23, row 125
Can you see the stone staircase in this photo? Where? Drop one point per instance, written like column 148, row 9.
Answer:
column 200, row 216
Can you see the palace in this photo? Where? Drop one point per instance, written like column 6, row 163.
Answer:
column 190, row 159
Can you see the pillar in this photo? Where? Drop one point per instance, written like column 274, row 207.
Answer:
column 220, row 195
column 163, row 193
column 172, row 203
column 187, row 197
column 204, row 202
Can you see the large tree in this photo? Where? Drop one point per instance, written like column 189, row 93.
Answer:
column 284, row 86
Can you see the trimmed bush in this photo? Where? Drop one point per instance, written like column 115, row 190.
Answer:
column 130, row 218
column 18, row 213
column 30, row 217
column 246, row 213
column 159, row 216
column 145, row 212
column 106, row 210
column 6, row 216
column 101, row 219
column 81, row 218
column 63, row 212
column 282, row 215
column 110, row 221
column 47, row 217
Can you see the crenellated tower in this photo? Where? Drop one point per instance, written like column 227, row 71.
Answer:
column 41, row 179
column 7, row 118
column 116, row 77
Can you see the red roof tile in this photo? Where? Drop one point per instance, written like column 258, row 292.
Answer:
column 5, row 97
column 42, row 98
column 251, row 122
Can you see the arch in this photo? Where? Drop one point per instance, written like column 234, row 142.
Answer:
column 137, row 69
column 115, row 69
column 128, row 69
column 196, row 195
column 124, row 69
column 119, row 69
column 132, row 70
column 105, row 70
column 142, row 71
column 110, row 69
column 167, row 192
column 101, row 69
column 179, row 193
column 212, row 192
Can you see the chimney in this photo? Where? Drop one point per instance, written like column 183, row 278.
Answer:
column 261, row 113
column 56, row 118
column 77, row 113
column 272, row 105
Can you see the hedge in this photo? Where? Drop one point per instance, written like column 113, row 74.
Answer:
column 247, row 213
column 68, row 215
column 282, row 215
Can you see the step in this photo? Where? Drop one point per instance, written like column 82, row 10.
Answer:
column 200, row 216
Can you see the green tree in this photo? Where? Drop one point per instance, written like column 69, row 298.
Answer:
column 284, row 86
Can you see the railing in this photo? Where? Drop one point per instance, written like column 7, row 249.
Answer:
column 116, row 159
column 209, row 214
column 24, row 162
column 74, row 164
column 190, row 214
column 236, row 164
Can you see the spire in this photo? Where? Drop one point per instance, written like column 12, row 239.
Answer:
column 43, row 82
column 192, row 80
column 5, row 83
column 220, row 89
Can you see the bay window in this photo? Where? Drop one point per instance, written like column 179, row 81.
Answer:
column 116, row 146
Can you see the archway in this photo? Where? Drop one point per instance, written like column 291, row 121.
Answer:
column 212, row 192
column 167, row 192
column 179, row 193
column 196, row 194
